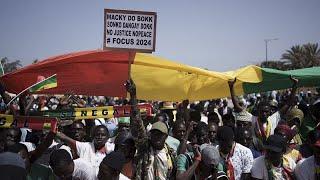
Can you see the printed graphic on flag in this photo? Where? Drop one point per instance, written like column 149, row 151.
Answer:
column 50, row 82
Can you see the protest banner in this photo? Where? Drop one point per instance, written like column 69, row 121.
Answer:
column 98, row 112
column 131, row 30
column 32, row 122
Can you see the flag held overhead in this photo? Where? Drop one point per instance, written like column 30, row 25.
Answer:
column 48, row 83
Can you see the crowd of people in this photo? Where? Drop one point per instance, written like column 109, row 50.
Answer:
column 272, row 135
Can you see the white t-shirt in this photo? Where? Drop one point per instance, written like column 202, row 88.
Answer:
column 305, row 169
column 83, row 170
column 123, row 177
column 161, row 158
column 86, row 151
column 259, row 169
column 241, row 160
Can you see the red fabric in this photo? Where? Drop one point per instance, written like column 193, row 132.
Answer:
column 35, row 123
column 230, row 169
column 86, row 73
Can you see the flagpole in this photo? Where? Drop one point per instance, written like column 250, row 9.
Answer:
column 27, row 89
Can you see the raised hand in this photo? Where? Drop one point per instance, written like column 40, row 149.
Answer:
column 130, row 87
column 294, row 80
column 232, row 82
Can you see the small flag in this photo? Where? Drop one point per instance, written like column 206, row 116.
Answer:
column 47, row 83
column 50, row 82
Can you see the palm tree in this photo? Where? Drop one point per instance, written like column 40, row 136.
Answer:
column 312, row 54
column 10, row 66
column 307, row 55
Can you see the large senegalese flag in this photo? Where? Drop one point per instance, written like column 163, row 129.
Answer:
column 103, row 73
column 48, row 83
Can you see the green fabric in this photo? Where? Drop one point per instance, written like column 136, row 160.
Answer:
column 308, row 125
column 40, row 172
column 273, row 79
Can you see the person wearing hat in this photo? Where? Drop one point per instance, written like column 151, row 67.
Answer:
column 170, row 110
column 270, row 166
column 295, row 119
column 309, row 168
column 243, row 119
column 154, row 159
column 291, row 153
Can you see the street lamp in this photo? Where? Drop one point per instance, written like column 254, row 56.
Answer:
column 266, row 41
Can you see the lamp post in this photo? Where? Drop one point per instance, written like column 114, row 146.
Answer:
column 266, row 42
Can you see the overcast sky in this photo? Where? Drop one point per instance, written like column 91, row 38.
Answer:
column 219, row 35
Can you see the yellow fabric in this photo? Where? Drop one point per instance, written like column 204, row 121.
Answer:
column 297, row 139
column 293, row 154
column 268, row 130
column 160, row 79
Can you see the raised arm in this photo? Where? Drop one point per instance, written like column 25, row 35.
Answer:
column 237, row 107
column 183, row 175
column 291, row 99
column 71, row 142
column 136, row 124
column 34, row 155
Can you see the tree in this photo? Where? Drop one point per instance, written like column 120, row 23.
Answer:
column 10, row 66
column 307, row 55
column 297, row 57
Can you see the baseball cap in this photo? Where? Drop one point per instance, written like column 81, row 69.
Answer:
column 275, row 143
column 160, row 126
